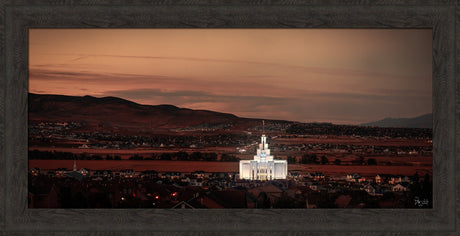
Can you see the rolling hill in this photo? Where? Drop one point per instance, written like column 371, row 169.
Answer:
column 111, row 112
column 111, row 115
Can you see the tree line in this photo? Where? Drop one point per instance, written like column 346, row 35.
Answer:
column 323, row 160
column 176, row 156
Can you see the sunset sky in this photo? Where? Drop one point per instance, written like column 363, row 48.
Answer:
column 342, row 76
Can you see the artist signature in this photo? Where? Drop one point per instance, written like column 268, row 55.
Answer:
column 420, row 202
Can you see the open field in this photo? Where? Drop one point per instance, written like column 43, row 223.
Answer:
column 387, row 163
column 178, row 166
column 126, row 153
column 190, row 166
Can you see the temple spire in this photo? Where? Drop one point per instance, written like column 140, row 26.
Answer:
column 263, row 126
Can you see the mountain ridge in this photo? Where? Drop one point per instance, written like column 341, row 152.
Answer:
column 422, row 121
column 113, row 112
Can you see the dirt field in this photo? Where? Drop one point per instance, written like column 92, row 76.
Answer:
column 190, row 166
column 179, row 166
column 400, row 165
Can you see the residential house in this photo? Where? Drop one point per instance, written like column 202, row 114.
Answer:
column 172, row 175
column 85, row 172
column 149, row 174
column 198, row 174
column 400, row 187
column 395, row 180
column 103, row 174
column 128, row 173
column 35, row 171
column 196, row 182
column 353, row 177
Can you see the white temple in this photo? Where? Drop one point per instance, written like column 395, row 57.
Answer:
column 263, row 167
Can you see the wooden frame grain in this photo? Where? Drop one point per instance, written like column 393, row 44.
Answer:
column 17, row 17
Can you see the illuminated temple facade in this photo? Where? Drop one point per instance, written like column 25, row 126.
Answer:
column 263, row 167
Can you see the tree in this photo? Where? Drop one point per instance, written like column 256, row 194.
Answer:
column 304, row 159
column 371, row 161
column 85, row 156
column 182, row 156
column 196, row 156
column 165, row 156
column 415, row 178
column 136, row 157
column 337, row 161
column 313, row 159
column 227, row 157
column 324, row 160
column 263, row 201
column 211, row 156
column 358, row 161
column 291, row 160
column 309, row 159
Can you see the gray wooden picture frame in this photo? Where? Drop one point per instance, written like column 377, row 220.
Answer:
column 18, row 16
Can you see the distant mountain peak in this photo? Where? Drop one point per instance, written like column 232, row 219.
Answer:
column 423, row 121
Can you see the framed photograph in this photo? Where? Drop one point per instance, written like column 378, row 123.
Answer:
column 249, row 115
column 230, row 118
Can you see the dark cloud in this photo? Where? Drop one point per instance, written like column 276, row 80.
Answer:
column 45, row 74
column 308, row 69
column 85, row 76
